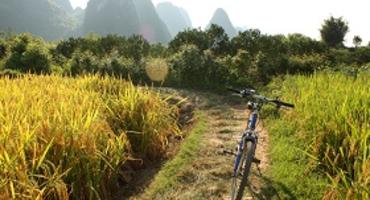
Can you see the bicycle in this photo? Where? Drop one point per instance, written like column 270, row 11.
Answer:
column 245, row 155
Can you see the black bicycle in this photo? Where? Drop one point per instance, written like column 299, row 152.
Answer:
column 245, row 155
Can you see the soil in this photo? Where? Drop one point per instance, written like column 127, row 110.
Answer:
column 209, row 176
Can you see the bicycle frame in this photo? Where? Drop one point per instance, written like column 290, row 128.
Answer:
column 245, row 155
column 248, row 135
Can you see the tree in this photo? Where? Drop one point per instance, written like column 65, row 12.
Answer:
column 333, row 31
column 29, row 54
column 219, row 40
column 298, row 44
column 357, row 40
column 2, row 48
column 195, row 37
column 248, row 40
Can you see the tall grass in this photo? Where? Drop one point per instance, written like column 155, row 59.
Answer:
column 64, row 138
column 332, row 118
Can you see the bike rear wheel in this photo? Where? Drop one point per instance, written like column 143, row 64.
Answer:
column 238, row 184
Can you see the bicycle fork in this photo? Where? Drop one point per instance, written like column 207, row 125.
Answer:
column 247, row 136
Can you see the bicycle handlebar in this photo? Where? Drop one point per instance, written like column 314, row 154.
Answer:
column 252, row 93
column 233, row 90
column 281, row 103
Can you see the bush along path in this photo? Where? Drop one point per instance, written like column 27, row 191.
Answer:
column 201, row 169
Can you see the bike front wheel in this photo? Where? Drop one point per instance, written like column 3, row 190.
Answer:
column 239, row 182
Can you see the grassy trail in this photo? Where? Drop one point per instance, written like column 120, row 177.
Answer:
column 208, row 175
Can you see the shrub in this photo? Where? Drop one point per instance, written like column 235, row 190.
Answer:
column 188, row 66
column 84, row 63
column 29, row 55
column 298, row 44
column 306, row 64
column 194, row 37
column 196, row 69
column 3, row 49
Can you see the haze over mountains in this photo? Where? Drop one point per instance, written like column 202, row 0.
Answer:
column 176, row 18
column 150, row 24
column 56, row 19
column 65, row 5
column 106, row 16
column 40, row 17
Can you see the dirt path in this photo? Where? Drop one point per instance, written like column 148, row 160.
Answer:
column 209, row 177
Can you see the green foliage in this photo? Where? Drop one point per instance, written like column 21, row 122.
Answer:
column 307, row 63
column 158, row 50
column 358, row 56
column 198, row 59
column 357, row 40
column 9, row 73
column 29, row 55
column 113, row 55
column 219, row 40
column 196, row 69
column 190, row 37
column 333, row 31
column 242, row 72
column 298, row 44
column 136, row 48
column 247, row 40
column 3, row 49
column 188, row 66
column 84, row 63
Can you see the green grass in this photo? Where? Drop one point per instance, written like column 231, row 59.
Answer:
column 322, row 146
column 288, row 171
column 168, row 176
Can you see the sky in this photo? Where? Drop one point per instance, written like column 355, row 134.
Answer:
column 279, row 16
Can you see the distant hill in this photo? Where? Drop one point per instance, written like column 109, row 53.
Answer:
column 79, row 14
column 125, row 17
column 111, row 16
column 151, row 26
column 56, row 19
column 40, row 17
column 176, row 18
column 221, row 18
column 186, row 17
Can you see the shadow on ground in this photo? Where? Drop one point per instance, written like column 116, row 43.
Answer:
column 269, row 189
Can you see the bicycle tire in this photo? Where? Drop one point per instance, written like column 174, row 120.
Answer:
column 249, row 151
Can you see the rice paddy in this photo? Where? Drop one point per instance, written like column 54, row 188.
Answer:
column 69, row 138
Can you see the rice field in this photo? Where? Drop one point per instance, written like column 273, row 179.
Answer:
column 332, row 118
column 69, row 138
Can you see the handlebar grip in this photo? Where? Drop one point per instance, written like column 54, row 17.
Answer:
column 234, row 90
column 283, row 104
column 287, row 104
